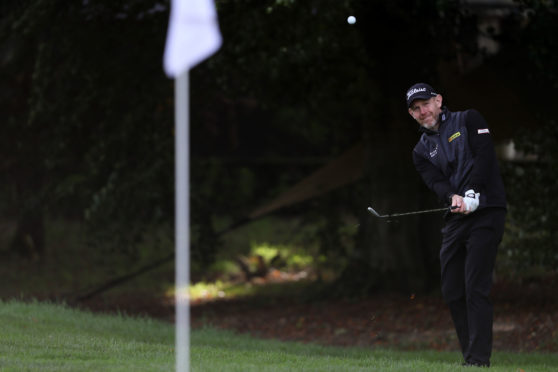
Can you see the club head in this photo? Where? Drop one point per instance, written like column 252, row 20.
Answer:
column 371, row 210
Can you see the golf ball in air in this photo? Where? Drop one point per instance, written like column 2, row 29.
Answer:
column 351, row 20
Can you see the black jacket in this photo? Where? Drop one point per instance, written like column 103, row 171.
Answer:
column 460, row 156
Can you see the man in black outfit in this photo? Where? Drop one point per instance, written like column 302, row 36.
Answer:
column 455, row 157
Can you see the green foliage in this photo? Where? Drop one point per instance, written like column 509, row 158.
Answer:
column 95, row 132
column 530, row 239
column 292, row 67
column 543, row 41
column 533, row 217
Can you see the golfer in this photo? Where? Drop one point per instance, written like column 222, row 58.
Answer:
column 455, row 157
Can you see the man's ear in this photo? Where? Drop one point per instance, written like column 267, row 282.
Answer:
column 411, row 112
column 438, row 100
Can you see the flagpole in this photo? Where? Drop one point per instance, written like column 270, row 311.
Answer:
column 193, row 35
column 182, row 221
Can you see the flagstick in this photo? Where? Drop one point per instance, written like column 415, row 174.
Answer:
column 182, row 222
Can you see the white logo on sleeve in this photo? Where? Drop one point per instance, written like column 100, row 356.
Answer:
column 483, row 131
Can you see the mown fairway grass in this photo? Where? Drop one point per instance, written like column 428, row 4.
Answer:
column 47, row 337
column 216, row 350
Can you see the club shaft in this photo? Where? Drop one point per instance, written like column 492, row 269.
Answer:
column 371, row 210
column 416, row 212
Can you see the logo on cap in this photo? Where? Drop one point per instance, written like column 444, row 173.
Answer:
column 414, row 91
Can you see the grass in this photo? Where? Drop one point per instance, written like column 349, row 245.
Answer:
column 46, row 337
column 216, row 350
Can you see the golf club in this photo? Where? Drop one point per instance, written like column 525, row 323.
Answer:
column 371, row 210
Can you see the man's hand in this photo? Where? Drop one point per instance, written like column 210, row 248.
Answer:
column 467, row 204
column 457, row 201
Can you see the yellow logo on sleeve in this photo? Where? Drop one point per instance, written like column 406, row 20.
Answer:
column 454, row 136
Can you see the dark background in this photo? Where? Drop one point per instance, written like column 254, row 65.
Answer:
column 87, row 158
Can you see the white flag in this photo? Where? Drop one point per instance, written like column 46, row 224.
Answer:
column 192, row 36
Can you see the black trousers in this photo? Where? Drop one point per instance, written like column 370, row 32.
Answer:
column 467, row 257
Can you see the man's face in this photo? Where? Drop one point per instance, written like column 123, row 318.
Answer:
column 427, row 111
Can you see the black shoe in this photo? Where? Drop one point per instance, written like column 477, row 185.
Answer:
column 475, row 364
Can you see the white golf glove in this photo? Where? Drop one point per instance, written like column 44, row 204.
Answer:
column 471, row 200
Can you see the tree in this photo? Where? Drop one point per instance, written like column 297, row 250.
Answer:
column 91, row 117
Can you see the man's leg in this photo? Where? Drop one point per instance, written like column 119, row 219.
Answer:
column 486, row 234
column 458, row 310
column 452, row 261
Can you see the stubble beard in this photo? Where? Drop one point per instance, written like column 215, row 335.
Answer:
column 430, row 125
